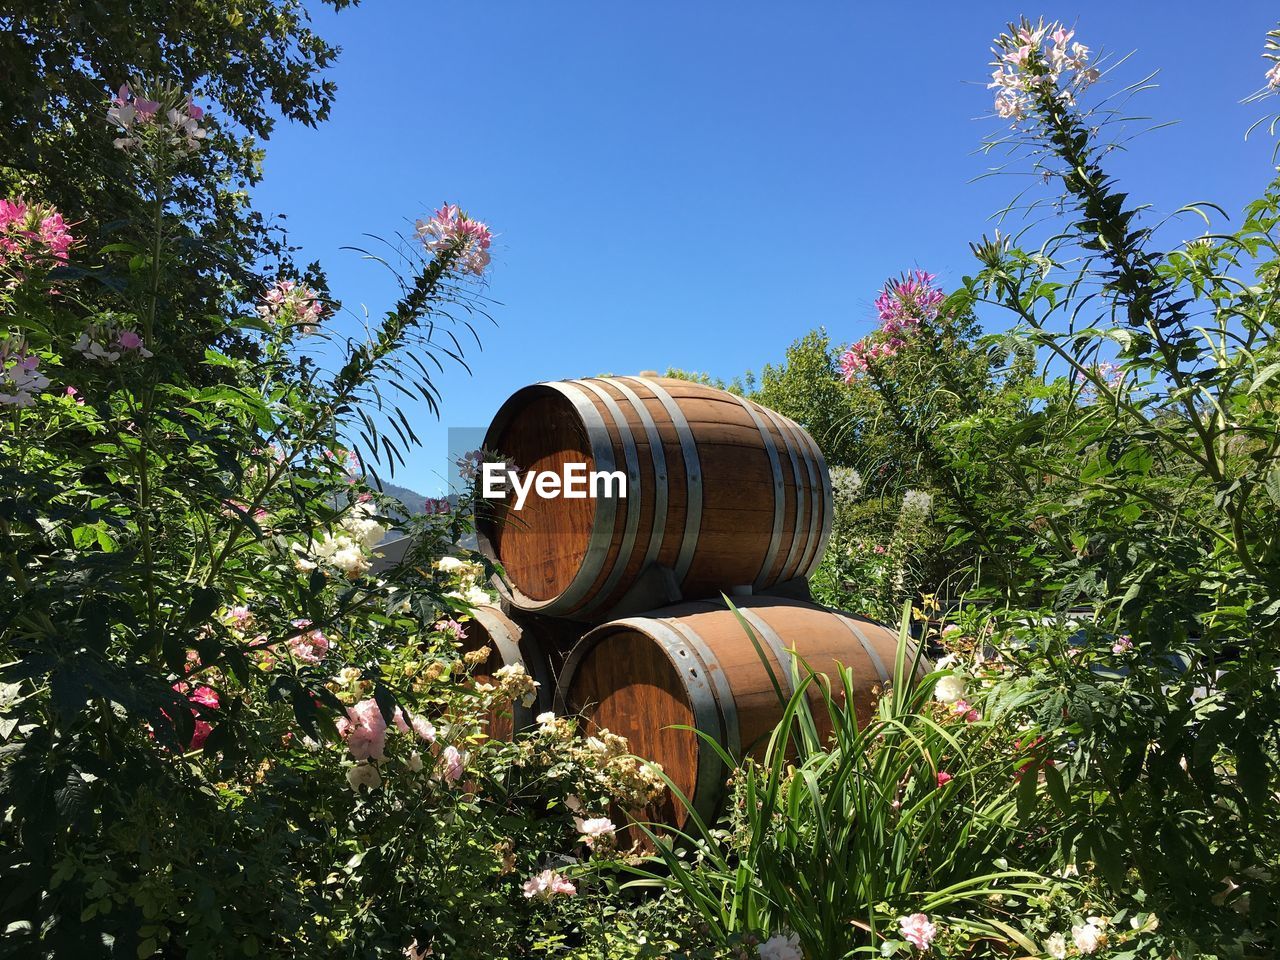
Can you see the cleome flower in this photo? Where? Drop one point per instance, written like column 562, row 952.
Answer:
column 32, row 232
column 450, row 229
column 138, row 119
column 20, row 378
column 1038, row 61
column 781, row 946
column 292, row 305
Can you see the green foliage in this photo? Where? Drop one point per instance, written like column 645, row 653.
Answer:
column 807, row 387
column 248, row 64
column 848, row 823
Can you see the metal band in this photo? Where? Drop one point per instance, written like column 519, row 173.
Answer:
column 789, row 566
column 601, row 523
column 824, row 478
column 692, row 473
column 732, row 741
column 659, row 525
column 625, row 549
column 853, row 628
column 812, row 552
column 779, row 497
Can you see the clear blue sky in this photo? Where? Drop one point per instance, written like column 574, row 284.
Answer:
column 699, row 184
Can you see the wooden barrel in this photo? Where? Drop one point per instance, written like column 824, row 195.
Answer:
column 535, row 643
column 694, row 665
column 722, row 495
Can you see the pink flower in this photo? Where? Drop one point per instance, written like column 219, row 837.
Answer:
column 365, row 730
column 962, row 708
column 423, row 728
column 1273, row 77
column 74, row 394
column 241, row 617
column 451, row 627
column 310, row 646
column 917, row 930
column 21, row 380
column 202, row 697
column 292, row 305
column 548, row 884
column 454, row 764
column 435, row 505
column 944, row 778
column 451, row 229
column 1123, row 644
column 879, row 548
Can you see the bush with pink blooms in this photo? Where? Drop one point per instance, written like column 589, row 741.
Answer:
column 223, row 732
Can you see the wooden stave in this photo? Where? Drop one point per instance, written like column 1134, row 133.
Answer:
column 596, row 589
column 726, row 728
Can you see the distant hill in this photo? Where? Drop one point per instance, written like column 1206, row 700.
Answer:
column 412, row 500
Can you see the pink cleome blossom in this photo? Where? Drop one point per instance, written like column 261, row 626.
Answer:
column 201, row 697
column 32, row 232
column 20, row 378
column 1038, row 60
column 902, row 306
column 449, row 229
column 944, row 778
column 291, row 304
column 964, row 709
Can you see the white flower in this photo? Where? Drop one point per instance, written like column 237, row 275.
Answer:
column 781, row 947
column 1056, row 946
column 91, row 349
column 473, row 595
column 364, row 775
column 950, row 688
column 594, row 829
column 362, row 527
column 916, row 504
column 846, row 484
column 415, row 762
column 1090, row 937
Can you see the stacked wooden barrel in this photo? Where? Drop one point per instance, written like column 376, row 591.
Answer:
column 723, row 496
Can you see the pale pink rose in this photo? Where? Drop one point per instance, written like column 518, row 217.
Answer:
column 548, row 884
column 454, row 763
column 310, row 646
column 917, row 930
column 595, row 829
column 423, row 728
column 365, row 730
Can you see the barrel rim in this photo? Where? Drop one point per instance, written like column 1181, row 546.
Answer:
column 602, row 520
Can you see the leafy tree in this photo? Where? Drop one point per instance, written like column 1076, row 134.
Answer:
column 63, row 60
